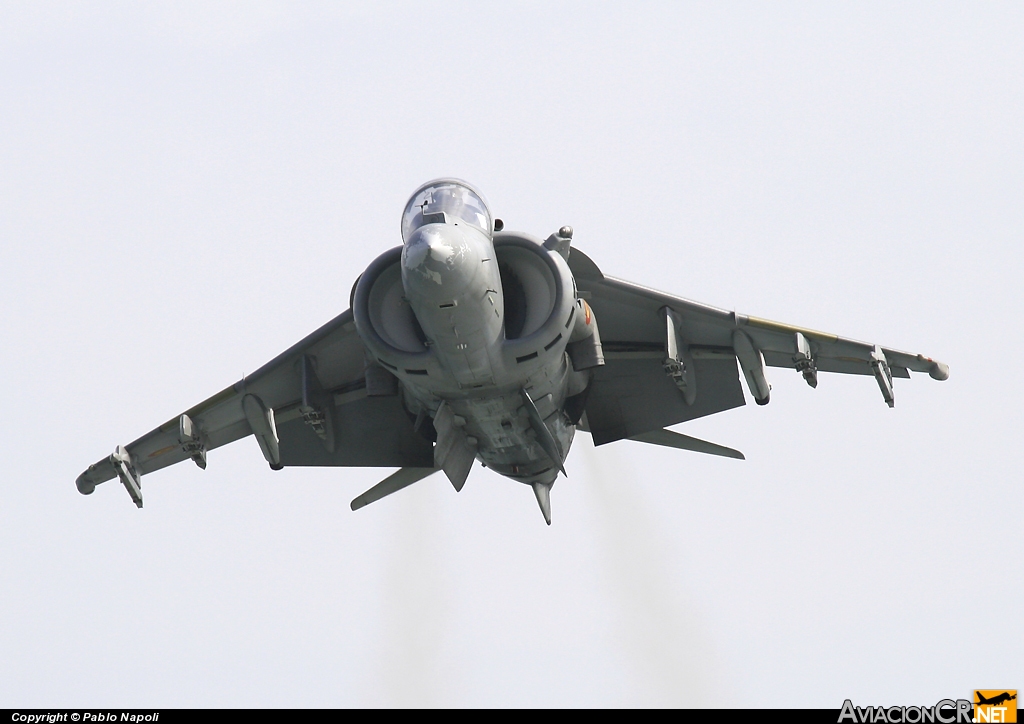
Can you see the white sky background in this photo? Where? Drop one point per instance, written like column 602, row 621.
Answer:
column 185, row 192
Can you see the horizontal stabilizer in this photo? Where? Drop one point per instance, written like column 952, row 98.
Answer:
column 667, row 438
column 392, row 484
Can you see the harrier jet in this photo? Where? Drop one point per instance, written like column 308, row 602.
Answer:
column 469, row 342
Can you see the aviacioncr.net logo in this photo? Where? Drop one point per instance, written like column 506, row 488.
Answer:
column 946, row 711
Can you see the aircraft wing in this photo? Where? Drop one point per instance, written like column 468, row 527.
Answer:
column 632, row 394
column 308, row 406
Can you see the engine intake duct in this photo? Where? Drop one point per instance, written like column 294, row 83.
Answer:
column 386, row 322
column 536, row 286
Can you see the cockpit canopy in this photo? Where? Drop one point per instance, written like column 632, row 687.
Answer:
column 446, row 200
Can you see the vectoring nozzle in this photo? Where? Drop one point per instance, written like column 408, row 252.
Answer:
column 584, row 346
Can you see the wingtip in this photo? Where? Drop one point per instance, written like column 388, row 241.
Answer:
column 84, row 485
column 939, row 371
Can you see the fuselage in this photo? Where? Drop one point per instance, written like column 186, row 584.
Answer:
column 451, row 332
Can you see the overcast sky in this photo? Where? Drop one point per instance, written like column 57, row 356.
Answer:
column 188, row 189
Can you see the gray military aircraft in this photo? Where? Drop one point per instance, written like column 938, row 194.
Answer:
column 469, row 342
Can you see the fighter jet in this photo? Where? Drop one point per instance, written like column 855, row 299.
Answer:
column 469, row 342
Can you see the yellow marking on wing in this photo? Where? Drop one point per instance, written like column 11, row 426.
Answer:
column 162, row 451
column 791, row 329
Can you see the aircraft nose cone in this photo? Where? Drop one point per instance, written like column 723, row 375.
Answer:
column 437, row 259
column 432, row 244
